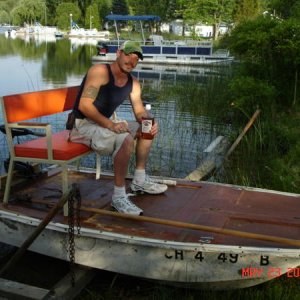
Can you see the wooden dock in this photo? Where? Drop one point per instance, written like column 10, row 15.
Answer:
column 40, row 277
column 11, row 289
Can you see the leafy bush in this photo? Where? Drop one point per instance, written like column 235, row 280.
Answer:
column 249, row 93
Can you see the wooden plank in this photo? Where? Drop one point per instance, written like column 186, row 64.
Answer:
column 17, row 290
column 214, row 144
column 206, row 167
column 241, row 135
column 215, row 155
column 64, row 289
column 215, row 229
column 213, row 161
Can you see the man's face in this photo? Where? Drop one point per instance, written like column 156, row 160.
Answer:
column 127, row 62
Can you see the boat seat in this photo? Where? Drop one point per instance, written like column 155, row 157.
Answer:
column 21, row 111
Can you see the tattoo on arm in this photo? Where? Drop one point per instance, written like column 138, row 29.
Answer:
column 90, row 92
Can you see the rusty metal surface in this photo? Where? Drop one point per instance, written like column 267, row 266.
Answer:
column 198, row 203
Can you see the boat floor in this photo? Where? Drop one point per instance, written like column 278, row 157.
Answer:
column 221, row 206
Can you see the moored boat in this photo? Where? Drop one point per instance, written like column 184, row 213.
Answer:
column 58, row 34
column 169, row 54
column 201, row 235
column 196, row 234
column 159, row 51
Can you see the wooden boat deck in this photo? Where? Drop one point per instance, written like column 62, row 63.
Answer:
column 221, row 206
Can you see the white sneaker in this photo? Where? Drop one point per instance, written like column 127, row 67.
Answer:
column 149, row 187
column 124, row 205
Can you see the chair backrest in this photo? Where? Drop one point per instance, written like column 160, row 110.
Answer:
column 26, row 106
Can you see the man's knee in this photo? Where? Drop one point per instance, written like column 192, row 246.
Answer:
column 127, row 146
column 129, row 143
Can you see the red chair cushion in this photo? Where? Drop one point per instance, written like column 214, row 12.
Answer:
column 62, row 148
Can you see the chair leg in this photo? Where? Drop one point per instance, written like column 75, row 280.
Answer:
column 98, row 166
column 8, row 181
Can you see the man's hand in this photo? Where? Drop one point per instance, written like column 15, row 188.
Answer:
column 119, row 127
column 154, row 129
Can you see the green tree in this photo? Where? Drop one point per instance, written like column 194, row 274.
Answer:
column 119, row 7
column 4, row 17
column 148, row 7
column 92, row 17
column 270, row 48
column 83, row 4
column 51, row 10
column 286, row 8
column 212, row 12
column 248, row 9
column 171, row 10
column 29, row 11
column 162, row 8
column 104, row 8
column 63, row 17
column 8, row 5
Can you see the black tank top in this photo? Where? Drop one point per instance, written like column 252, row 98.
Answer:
column 109, row 97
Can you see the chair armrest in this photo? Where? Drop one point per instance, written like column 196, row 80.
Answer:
column 32, row 124
column 35, row 125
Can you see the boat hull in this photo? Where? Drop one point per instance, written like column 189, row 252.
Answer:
column 197, row 265
column 171, row 60
column 171, row 54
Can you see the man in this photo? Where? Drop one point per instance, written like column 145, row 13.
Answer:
column 103, row 89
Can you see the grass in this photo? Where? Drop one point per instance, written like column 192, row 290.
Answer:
column 273, row 148
column 108, row 286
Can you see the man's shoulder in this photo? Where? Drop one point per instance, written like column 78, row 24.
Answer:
column 99, row 68
column 98, row 71
column 135, row 81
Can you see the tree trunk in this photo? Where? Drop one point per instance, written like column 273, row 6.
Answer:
column 216, row 28
column 295, row 87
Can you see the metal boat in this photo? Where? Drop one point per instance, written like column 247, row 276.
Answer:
column 200, row 235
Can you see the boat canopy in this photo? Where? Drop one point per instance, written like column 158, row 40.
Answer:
column 113, row 17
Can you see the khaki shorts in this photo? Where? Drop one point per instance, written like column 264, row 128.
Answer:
column 100, row 139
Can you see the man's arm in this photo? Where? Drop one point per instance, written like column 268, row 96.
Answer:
column 96, row 77
column 136, row 100
column 137, row 105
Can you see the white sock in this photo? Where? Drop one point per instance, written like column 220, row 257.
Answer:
column 119, row 191
column 139, row 176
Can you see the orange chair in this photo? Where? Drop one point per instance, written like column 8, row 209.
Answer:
column 54, row 148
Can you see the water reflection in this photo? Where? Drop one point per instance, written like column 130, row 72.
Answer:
column 58, row 63
column 186, row 127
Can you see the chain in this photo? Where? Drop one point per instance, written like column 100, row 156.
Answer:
column 74, row 204
column 78, row 207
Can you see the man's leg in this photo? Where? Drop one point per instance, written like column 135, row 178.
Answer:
column 143, row 147
column 121, row 161
column 120, row 200
column 142, row 183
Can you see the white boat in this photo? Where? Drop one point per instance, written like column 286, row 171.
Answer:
column 76, row 31
column 196, row 234
column 36, row 29
column 200, row 235
column 81, row 32
column 58, row 34
column 156, row 50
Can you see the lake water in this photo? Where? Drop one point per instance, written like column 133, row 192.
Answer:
column 30, row 64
